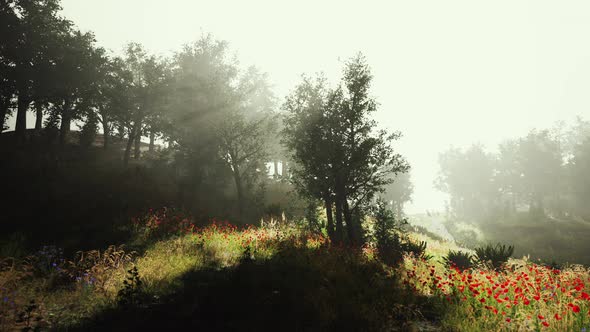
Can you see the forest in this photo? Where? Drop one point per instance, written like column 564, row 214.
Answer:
column 179, row 191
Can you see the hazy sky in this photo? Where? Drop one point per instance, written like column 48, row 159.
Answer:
column 446, row 72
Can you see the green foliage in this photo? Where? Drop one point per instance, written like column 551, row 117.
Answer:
column 494, row 256
column 341, row 157
column 312, row 216
column 386, row 234
column 390, row 237
column 459, row 259
column 417, row 249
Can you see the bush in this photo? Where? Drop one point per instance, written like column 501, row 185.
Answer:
column 416, row 249
column 390, row 237
column 459, row 259
column 386, row 234
column 494, row 256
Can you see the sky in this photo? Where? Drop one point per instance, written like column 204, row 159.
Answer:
column 446, row 73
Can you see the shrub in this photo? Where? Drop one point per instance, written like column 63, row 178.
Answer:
column 494, row 256
column 417, row 249
column 386, row 234
column 459, row 259
column 390, row 237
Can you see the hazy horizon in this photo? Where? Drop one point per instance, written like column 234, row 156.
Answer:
column 451, row 73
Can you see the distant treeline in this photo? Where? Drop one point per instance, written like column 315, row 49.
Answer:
column 546, row 173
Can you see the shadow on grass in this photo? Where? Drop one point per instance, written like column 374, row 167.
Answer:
column 298, row 289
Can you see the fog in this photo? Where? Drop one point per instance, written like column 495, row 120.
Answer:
column 302, row 166
column 446, row 73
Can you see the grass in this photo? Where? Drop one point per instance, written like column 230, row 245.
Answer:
column 217, row 276
column 278, row 277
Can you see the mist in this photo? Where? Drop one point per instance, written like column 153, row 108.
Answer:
column 451, row 133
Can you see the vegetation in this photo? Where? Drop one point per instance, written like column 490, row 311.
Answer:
column 320, row 244
column 459, row 260
column 494, row 256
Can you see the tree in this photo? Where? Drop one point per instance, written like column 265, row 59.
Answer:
column 33, row 28
column 307, row 137
column 148, row 87
column 242, row 132
column 353, row 159
column 202, row 88
column 580, row 178
column 111, row 99
column 541, row 163
column 468, row 177
column 509, row 176
column 77, row 71
column 398, row 193
column 8, row 90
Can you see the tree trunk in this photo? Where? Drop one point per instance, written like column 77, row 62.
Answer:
column 276, row 169
column 152, row 140
column 339, row 235
column 106, row 130
column 350, row 224
column 137, row 142
column 38, row 118
column 330, row 217
column 130, row 141
column 66, row 120
column 20, row 129
column 285, row 169
column 121, row 133
column 239, row 189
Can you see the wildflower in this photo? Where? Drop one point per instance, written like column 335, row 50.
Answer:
column 576, row 308
column 557, row 316
column 545, row 324
column 508, row 319
column 541, row 317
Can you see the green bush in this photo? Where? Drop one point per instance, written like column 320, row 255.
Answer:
column 459, row 259
column 390, row 237
column 417, row 249
column 494, row 256
column 386, row 234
